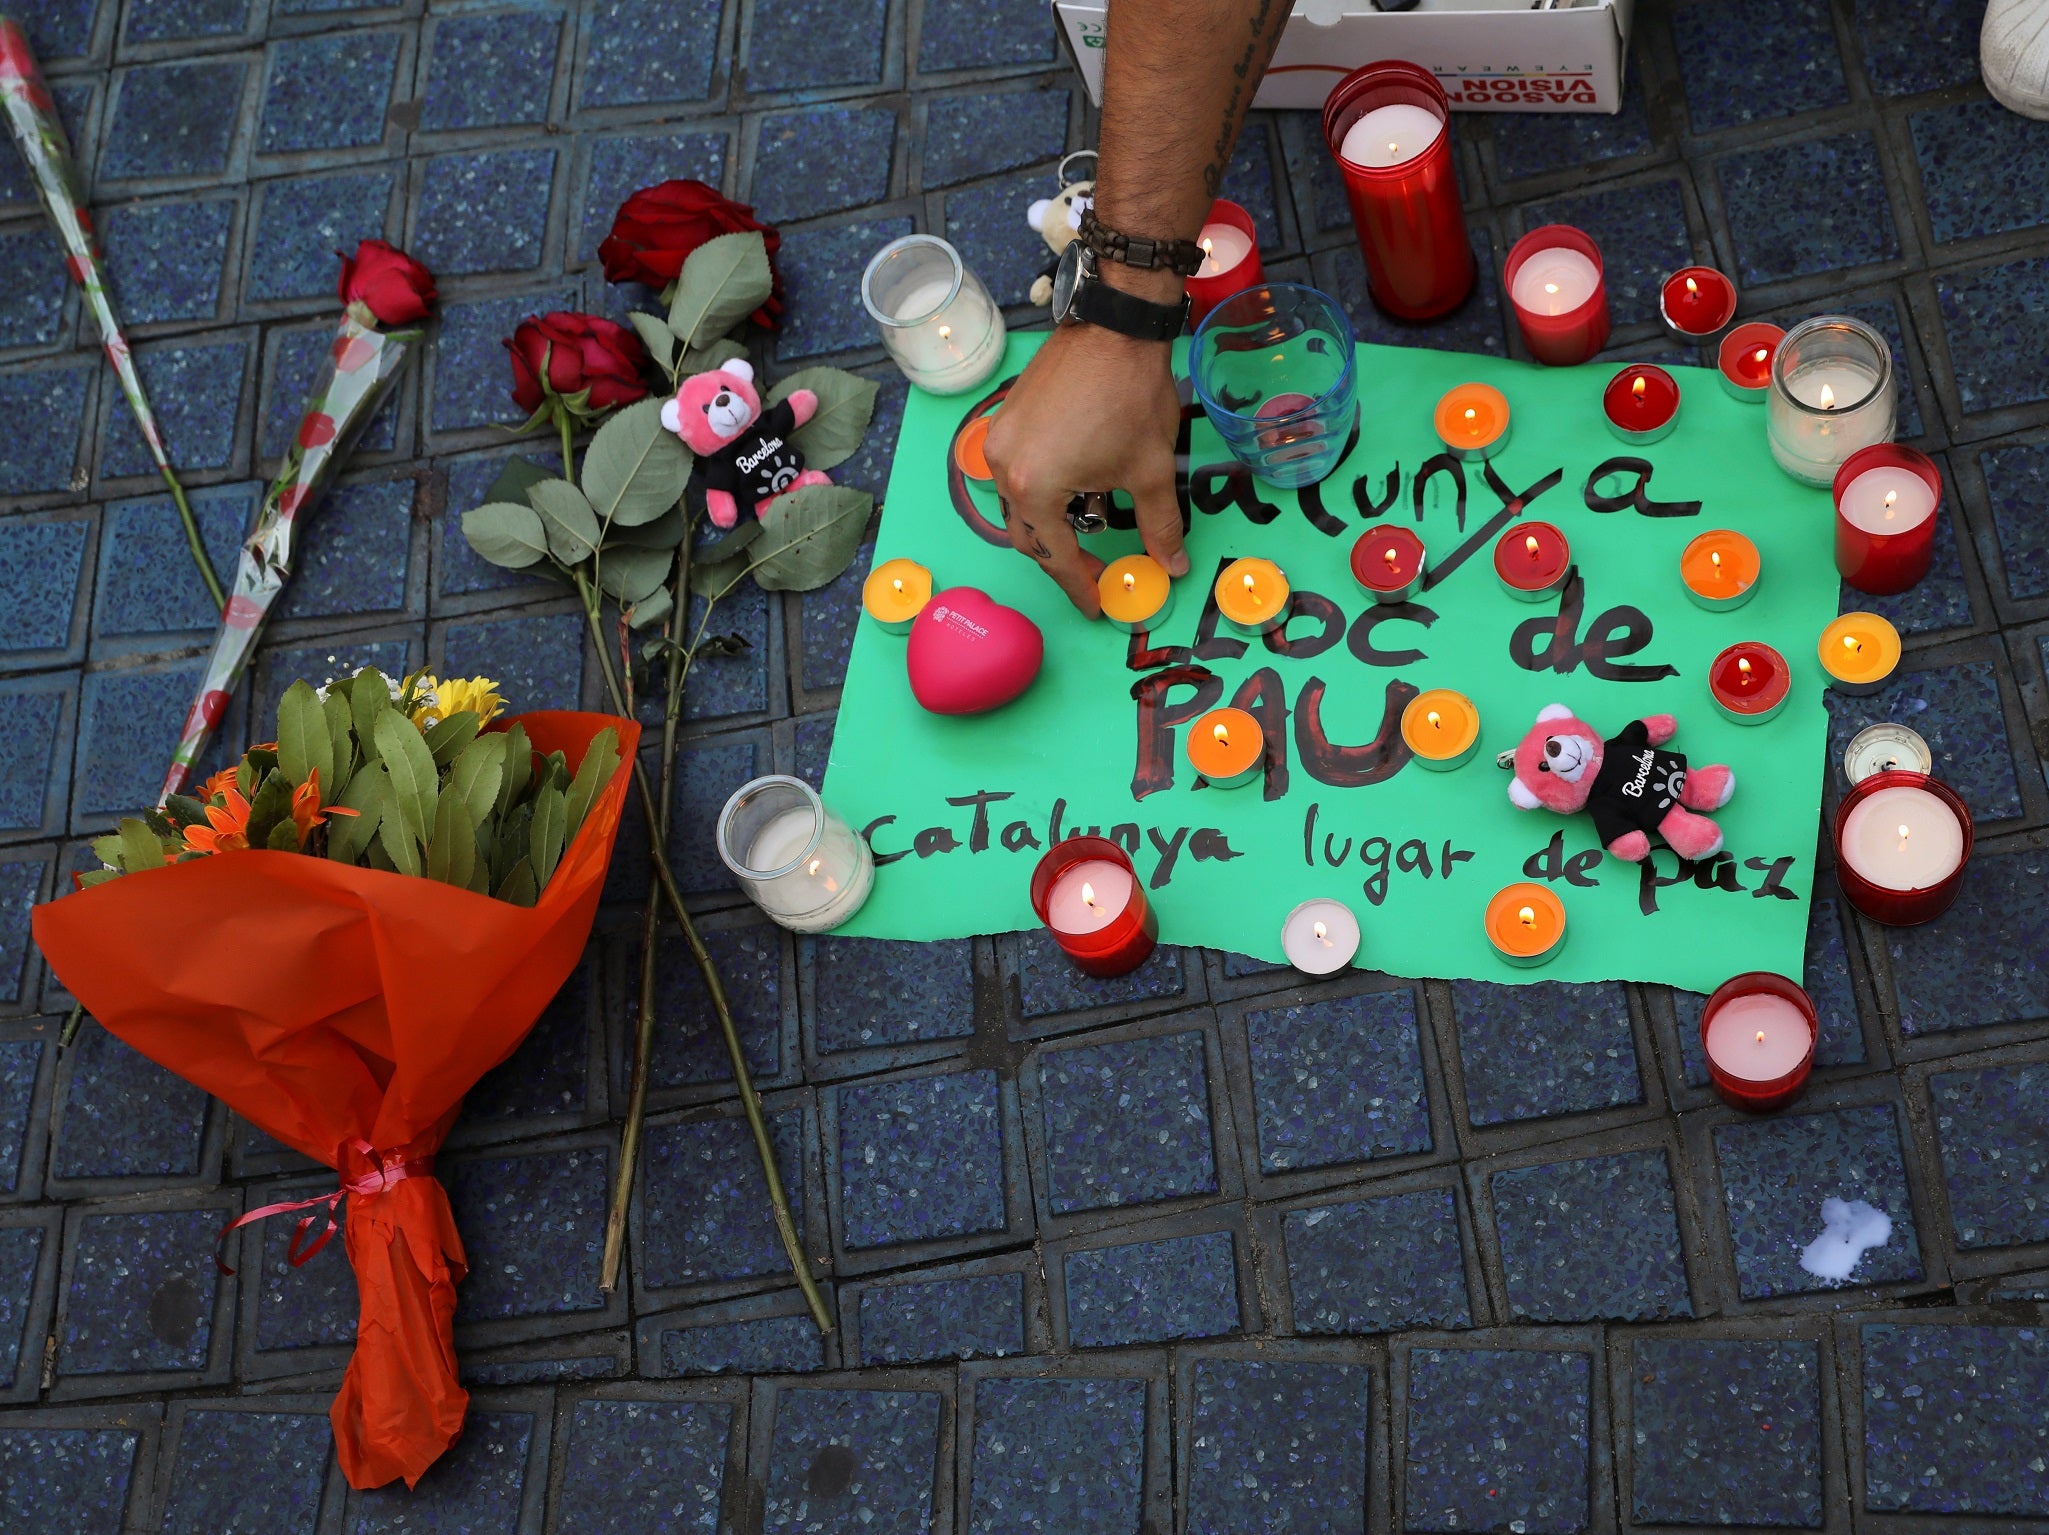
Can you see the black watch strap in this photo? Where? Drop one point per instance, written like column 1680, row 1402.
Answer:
column 1137, row 251
column 1097, row 303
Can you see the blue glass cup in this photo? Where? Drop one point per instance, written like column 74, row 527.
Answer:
column 1273, row 368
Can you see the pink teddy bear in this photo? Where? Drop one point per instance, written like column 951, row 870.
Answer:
column 745, row 453
column 1630, row 787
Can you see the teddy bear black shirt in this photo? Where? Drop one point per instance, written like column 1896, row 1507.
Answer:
column 1636, row 786
column 760, row 462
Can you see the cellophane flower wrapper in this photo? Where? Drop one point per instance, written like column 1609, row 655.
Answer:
column 38, row 132
column 362, row 365
column 346, row 1011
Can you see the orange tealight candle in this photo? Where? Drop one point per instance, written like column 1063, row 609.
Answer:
column 1472, row 421
column 1720, row 569
column 1252, row 594
column 1228, row 748
column 1526, row 924
column 1859, row 652
column 1442, row 729
column 895, row 593
column 1135, row 592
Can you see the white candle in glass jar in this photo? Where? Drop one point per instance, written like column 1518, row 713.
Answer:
column 1887, row 500
column 1223, row 247
column 950, row 349
column 1902, row 838
column 1759, row 1037
column 1088, row 897
column 1832, row 386
column 839, row 889
column 1391, row 135
column 1556, row 280
column 1320, row 937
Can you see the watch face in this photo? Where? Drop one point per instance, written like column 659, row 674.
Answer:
column 1065, row 281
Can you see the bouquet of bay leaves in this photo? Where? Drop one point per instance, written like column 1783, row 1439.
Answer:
column 394, row 775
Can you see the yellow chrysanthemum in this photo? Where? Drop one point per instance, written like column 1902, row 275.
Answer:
column 438, row 699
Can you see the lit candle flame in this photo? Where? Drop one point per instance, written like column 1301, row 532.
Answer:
column 1223, row 734
column 897, row 582
column 1890, row 497
column 1436, row 722
column 1390, row 556
column 1471, row 414
column 1529, row 918
column 1716, row 556
column 1743, row 665
column 1760, row 1036
column 1321, row 930
column 1692, row 288
column 1393, row 148
column 1636, row 388
column 945, row 332
column 1550, row 287
column 1205, row 250
column 1088, row 893
column 1530, row 544
column 1850, row 642
column 1130, row 581
column 813, row 868
column 1251, row 589
column 1762, row 354
column 1828, row 398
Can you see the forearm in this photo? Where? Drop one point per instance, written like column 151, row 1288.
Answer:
column 1178, row 76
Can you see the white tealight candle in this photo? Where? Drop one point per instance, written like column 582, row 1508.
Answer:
column 1887, row 500
column 1320, row 937
column 1759, row 1037
column 1902, row 838
column 1088, row 897
column 1223, row 247
column 1391, row 135
column 1556, row 280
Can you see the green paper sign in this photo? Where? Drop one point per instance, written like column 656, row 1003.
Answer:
column 959, row 810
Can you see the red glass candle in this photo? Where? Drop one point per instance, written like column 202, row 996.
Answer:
column 1888, row 500
column 1750, row 682
column 1388, row 563
column 1929, row 872
column 1695, row 302
column 1532, row 560
column 1089, row 896
column 1641, row 403
column 1405, row 200
column 1231, row 263
column 1745, row 360
column 1559, row 291
column 1758, row 1032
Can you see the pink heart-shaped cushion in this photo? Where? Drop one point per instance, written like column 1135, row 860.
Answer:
column 969, row 653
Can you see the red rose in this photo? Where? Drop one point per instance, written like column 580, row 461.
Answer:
column 658, row 227
column 396, row 289
column 17, row 59
column 565, row 354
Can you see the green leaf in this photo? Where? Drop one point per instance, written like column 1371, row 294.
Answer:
column 546, row 838
column 702, row 359
column 284, row 837
column 711, row 578
column 723, row 281
column 845, row 404
column 369, row 701
column 555, row 771
column 635, row 468
column 507, row 533
column 415, row 782
column 304, row 746
column 519, row 768
column 268, row 806
column 140, row 848
column 342, row 741
column 665, row 532
column 347, row 836
column 107, row 849
column 511, row 845
column 452, row 855
column 651, row 609
column 600, row 761
column 809, row 536
column 728, row 543
column 571, row 525
column 517, row 477
column 631, row 574
column 259, row 760
column 94, row 877
column 393, row 835
column 478, row 771
column 446, row 739
column 518, row 885
column 184, row 811
column 655, row 334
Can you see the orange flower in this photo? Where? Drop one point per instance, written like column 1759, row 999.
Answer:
column 220, row 783
column 227, row 828
column 306, row 809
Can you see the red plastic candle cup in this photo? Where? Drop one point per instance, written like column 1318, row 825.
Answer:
column 1758, row 1032
column 1696, row 303
column 1402, row 184
column 1750, row 682
column 1090, row 898
column 1745, row 360
column 1559, row 291
column 1903, row 840
column 1230, row 263
column 1641, row 403
column 1388, row 564
column 1532, row 560
column 1888, row 501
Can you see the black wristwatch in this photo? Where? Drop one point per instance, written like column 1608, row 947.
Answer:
column 1081, row 297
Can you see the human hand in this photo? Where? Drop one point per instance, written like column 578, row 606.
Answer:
column 1093, row 411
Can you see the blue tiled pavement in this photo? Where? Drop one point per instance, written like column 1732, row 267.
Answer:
column 1207, row 1249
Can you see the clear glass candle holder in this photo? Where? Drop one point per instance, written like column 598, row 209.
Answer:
column 1832, row 393
column 938, row 322
column 798, row 861
column 1273, row 367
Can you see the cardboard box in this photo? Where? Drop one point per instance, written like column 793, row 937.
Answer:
column 1489, row 55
